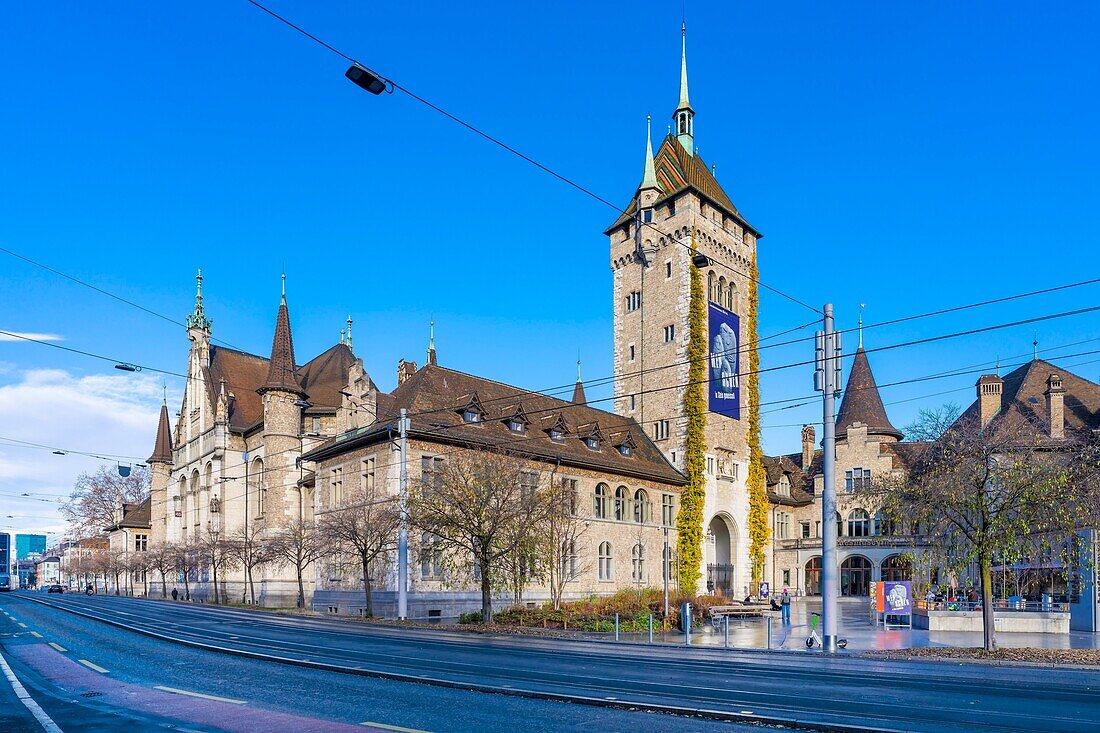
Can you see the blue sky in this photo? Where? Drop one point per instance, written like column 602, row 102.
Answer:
column 909, row 158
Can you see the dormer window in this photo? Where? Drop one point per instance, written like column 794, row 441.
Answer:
column 624, row 449
column 557, row 435
column 516, row 426
column 469, row 406
column 592, row 442
column 784, row 488
column 516, row 419
column 471, row 416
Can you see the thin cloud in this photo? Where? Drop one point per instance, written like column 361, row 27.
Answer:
column 23, row 336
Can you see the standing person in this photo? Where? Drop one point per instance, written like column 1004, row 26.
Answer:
column 785, row 606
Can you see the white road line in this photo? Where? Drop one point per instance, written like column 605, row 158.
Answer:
column 383, row 726
column 89, row 665
column 21, row 692
column 199, row 694
column 36, row 635
column 22, row 625
column 58, row 647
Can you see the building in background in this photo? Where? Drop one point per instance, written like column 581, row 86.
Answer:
column 48, row 571
column 30, row 544
column 126, row 537
column 8, row 578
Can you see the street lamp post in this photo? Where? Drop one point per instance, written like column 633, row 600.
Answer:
column 403, row 530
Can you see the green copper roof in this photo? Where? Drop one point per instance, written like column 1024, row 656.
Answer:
column 649, row 175
column 684, row 103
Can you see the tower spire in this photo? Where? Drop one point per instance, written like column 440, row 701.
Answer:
column 684, row 115
column 350, row 347
column 649, row 175
column 578, row 388
column 861, row 307
column 282, row 373
column 431, row 342
column 198, row 318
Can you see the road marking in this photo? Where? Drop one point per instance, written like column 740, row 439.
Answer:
column 383, row 726
column 24, row 697
column 36, row 634
column 58, row 647
column 22, row 625
column 89, row 665
column 199, row 694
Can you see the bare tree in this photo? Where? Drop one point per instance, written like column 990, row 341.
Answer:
column 476, row 506
column 995, row 493
column 161, row 559
column 558, row 536
column 366, row 525
column 248, row 548
column 97, row 497
column 185, row 560
column 297, row 545
column 213, row 551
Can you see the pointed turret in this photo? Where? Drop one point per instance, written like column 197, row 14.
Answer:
column 578, row 388
column 198, row 319
column 684, row 115
column 162, row 450
column 649, row 175
column 350, row 347
column 282, row 374
column 862, row 402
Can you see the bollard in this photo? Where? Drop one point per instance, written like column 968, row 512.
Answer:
column 726, row 634
column 616, row 627
column 685, row 621
column 769, row 632
column 651, row 628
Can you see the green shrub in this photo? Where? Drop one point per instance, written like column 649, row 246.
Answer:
column 473, row 617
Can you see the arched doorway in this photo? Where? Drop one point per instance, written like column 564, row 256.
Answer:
column 855, row 576
column 897, row 567
column 720, row 567
column 813, row 576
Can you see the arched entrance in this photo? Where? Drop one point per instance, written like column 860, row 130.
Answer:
column 813, row 576
column 897, row 567
column 855, row 576
column 720, row 548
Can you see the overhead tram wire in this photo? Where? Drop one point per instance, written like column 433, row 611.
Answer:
column 523, row 156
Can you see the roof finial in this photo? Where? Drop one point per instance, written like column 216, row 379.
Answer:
column 198, row 318
column 350, row 347
column 284, row 285
column 1035, row 346
column 343, row 338
column 649, row 175
column 861, row 307
column 431, row 341
column 998, row 365
column 578, row 365
column 164, row 387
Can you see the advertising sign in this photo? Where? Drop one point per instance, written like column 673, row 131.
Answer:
column 724, row 362
column 897, row 597
column 765, row 589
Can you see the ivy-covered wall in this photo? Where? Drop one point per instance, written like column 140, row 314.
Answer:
column 689, row 520
column 758, row 499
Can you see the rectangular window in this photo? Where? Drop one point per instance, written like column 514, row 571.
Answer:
column 570, row 491
column 633, row 301
column 710, row 465
column 672, row 208
column 431, row 472
column 632, row 403
column 632, row 352
column 668, row 510
column 782, row 525
column 660, row 430
column 337, row 480
column 670, row 333
column 431, row 558
column 528, row 486
column 805, row 529
column 647, row 215
column 141, row 542
column 316, row 425
column 368, row 477
column 786, row 577
column 668, row 268
column 817, row 529
column 857, row 478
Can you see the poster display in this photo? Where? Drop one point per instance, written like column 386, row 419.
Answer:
column 724, row 386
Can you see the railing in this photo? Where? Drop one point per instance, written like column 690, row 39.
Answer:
column 886, row 540
column 720, row 577
column 999, row 605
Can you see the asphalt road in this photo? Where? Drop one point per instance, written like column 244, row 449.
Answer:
column 800, row 689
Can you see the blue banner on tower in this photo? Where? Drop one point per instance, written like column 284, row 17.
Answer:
column 724, row 362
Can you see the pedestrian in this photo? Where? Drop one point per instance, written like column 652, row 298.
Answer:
column 785, row 606
column 175, row 595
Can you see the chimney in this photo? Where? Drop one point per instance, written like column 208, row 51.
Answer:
column 809, row 438
column 1056, row 395
column 989, row 397
column 405, row 369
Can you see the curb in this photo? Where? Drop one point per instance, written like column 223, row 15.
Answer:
column 677, row 710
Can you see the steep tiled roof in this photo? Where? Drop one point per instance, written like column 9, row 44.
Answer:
column 435, row 396
column 326, row 375
column 282, row 371
column 162, row 450
column 134, row 516
column 801, row 483
column 862, row 402
column 679, row 170
column 1023, row 397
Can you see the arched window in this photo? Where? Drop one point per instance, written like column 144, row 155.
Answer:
column 859, row 523
column 621, row 500
column 209, row 482
column 600, row 501
column 885, row 524
column 637, row 563
column 712, row 292
column 731, row 297
column 431, row 557
column 259, row 487
column 813, row 576
column 195, row 498
column 897, row 567
column 604, row 565
column 641, row 506
column 855, row 576
column 720, row 296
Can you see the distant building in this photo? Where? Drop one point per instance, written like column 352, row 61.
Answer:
column 129, row 535
column 48, row 571
column 30, row 544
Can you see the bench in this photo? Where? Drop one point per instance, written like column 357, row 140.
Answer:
column 740, row 610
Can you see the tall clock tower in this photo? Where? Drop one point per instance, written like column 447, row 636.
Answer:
column 679, row 207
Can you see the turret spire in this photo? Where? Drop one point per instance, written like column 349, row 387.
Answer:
column 861, row 307
column 282, row 372
column 684, row 115
column 431, row 342
column 198, row 318
column 649, row 175
column 350, row 347
column 162, row 450
column 578, row 388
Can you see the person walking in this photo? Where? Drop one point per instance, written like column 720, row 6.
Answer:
column 785, row 606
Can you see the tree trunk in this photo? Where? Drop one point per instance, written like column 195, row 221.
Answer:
column 214, row 568
column 301, row 588
column 251, row 585
column 186, row 586
column 367, row 587
column 163, row 585
column 985, row 566
column 486, row 598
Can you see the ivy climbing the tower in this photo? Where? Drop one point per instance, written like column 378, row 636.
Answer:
column 758, row 499
column 689, row 520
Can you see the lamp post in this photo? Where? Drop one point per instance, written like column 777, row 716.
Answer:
column 403, row 530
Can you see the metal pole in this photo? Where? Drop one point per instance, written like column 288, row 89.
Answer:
column 830, row 585
column 616, row 627
column 664, row 572
column 651, row 628
column 769, row 632
column 403, row 531
column 726, row 634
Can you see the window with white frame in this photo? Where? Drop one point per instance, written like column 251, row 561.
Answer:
column 782, row 525
column 621, row 501
column 605, row 568
column 641, row 506
column 637, row 563
column 784, row 487
column 336, row 480
column 528, row 486
column 601, row 501
column 633, row 301
column 668, row 509
column 670, row 333
column 857, row 478
column 141, row 542
column 660, row 430
column 367, row 479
